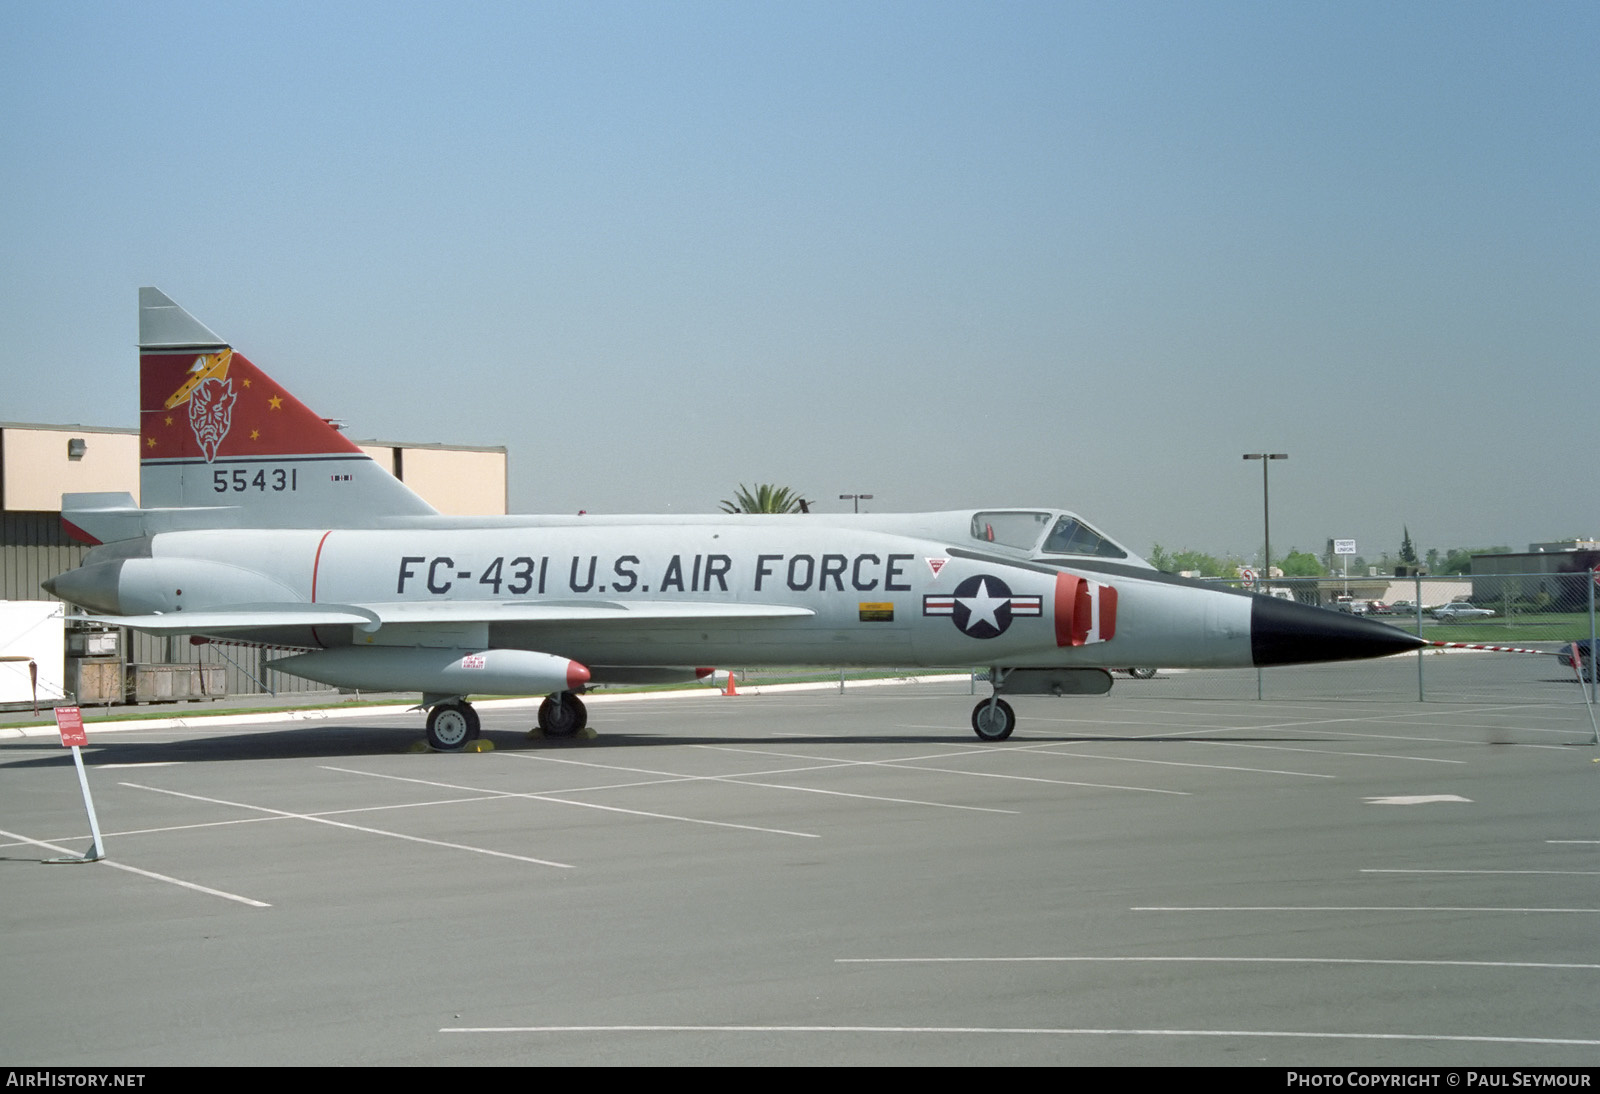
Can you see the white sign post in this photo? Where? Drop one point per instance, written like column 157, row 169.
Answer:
column 1345, row 548
column 69, row 720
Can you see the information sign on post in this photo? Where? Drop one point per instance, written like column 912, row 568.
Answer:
column 1346, row 548
column 69, row 722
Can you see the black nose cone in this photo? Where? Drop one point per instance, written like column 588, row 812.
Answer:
column 1283, row 632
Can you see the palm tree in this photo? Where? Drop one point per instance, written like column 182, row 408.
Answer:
column 766, row 498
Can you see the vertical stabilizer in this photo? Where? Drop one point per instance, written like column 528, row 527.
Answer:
column 218, row 433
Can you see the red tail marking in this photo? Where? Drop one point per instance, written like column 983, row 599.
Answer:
column 78, row 534
column 244, row 414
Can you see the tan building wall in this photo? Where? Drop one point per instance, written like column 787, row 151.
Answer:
column 36, row 467
column 457, row 482
column 35, row 470
column 382, row 454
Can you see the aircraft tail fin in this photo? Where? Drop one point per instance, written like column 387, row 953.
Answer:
column 218, row 433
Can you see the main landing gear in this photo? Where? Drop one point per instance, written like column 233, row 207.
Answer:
column 562, row 715
column 452, row 726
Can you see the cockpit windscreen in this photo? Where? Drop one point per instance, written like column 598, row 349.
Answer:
column 1071, row 536
column 1009, row 528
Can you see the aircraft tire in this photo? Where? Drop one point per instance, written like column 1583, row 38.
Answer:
column 451, row 726
column 562, row 715
column 1142, row 674
column 993, row 723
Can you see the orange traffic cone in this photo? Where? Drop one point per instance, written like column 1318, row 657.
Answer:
column 731, row 689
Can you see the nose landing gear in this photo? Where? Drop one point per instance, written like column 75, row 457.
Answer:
column 993, row 719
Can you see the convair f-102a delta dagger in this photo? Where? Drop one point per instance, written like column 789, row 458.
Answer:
column 261, row 523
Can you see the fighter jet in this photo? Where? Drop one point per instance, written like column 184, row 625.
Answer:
column 263, row 524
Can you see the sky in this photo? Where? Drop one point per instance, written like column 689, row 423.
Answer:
column 1072, row 254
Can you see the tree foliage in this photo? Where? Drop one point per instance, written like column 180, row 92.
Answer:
column 1408, row 552
column 765, row 498
column 1301, row 564
column 1192, row 562
column 1458, row 560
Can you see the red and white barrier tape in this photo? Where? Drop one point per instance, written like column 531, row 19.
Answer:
column 1494, row 649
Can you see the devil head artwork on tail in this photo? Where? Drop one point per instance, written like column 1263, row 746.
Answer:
column 211, row 413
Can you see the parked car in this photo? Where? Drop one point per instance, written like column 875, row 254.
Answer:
column 1378, row 607
column 1584, row 655
column 1460, row 609
column 1402, row 607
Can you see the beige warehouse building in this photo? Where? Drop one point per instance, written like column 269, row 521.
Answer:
column 39, row 463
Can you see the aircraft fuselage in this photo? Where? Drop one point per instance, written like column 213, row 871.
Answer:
column 863, row 596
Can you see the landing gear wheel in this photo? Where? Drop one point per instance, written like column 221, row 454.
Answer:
column 1142, row 674
column 451, row 726
column 562, row 715
column 993, row 720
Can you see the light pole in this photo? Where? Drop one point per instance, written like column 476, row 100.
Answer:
column 1266, row 510
column 857, row 498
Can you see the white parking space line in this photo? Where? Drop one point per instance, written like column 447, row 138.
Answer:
column 1329, row 752
column 1352, row 908
column 583, row 805
column 1054, row 750
column 151, row 874
column 1211, row 961
column 908, row 765
column 751, row 778
column 1554, row 873
column 823, row 762
column 1239, row 724
column 1058, row 1031
column 1198, row 732
column 288, row 814
column 317, row 813
column 1040, row 779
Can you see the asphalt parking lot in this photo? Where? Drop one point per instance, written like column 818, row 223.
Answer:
column 814, row 877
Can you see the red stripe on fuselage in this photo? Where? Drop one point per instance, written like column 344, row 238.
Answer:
column 316, row 564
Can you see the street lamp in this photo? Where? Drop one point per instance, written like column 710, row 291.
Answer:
column 1266, row 510
column 857, row 498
